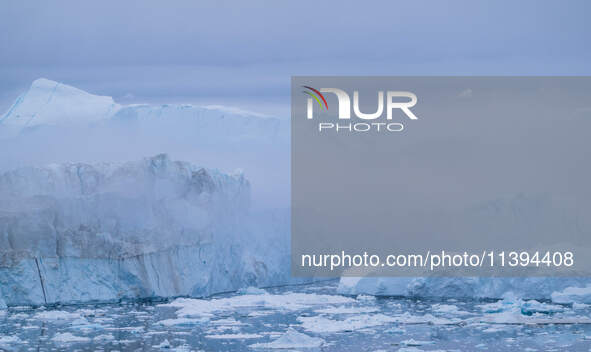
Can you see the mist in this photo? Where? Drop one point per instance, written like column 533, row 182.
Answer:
column 258, row 147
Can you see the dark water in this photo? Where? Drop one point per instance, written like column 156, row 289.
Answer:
column 317, row 319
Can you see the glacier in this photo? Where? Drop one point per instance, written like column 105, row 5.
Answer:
column 152, row 228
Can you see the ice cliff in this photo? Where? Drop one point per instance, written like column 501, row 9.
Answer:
column 79, row 232
column 543, row 288
column 48, row 103
column 54, row 123
column 512, row 214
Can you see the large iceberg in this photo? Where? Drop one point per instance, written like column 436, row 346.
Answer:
column 544, row 288
column 152, row 228
column 49, row 103
column 521, row 212
column 55, row 123
column 53, row 104
column 75, row 229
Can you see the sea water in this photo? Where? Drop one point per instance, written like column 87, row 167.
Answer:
column 303, row 318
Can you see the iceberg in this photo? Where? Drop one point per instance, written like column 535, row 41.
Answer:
column 66, row 338
column 574, row 295
column 291, row 339
column 214, row 124
column 460, row 287
column 510, row 214
column 202, row 308
column 49, row 103
column 79, row 232
column 55, row 123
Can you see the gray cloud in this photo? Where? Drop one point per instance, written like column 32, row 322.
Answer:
column 229, row 51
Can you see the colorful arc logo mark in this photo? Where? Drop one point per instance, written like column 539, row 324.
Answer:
column 316, row 95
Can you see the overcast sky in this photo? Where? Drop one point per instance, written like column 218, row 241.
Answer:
column 243, row 53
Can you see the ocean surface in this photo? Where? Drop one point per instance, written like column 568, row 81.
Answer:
column 300, row 318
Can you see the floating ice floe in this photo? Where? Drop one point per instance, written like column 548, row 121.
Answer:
column 251, row 291
column 84, row 325
column 182, row 321
column 512, row 310
column 573, row 295
column 10, row 340
column 321, row 324
column 104, row 338
column 347, row 310
column 57, row 315
column 292, row 339
column 413, row 342
column 182, row 348
column 233, row 336
column 66, row 337
column 189, row 307
column 324, row 325
column 581, row 305
column 410, row 349
column 448, row 309
column 163, row 345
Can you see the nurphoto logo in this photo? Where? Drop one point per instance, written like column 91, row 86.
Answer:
column 344, row 110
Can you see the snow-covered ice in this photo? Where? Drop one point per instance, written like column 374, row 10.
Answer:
column 320, row 324
column 155, row 227
column 76, row 126
column 75, row 232
column 581, row 295
column 57, row 315
column 233, row 336
column 413, row 342
column 9, row 340
column 188, row 307
column 67, row 338
column 460, row 287
column 51, row 103
column 48, row 103
column 346, row 310
column 292, row 339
